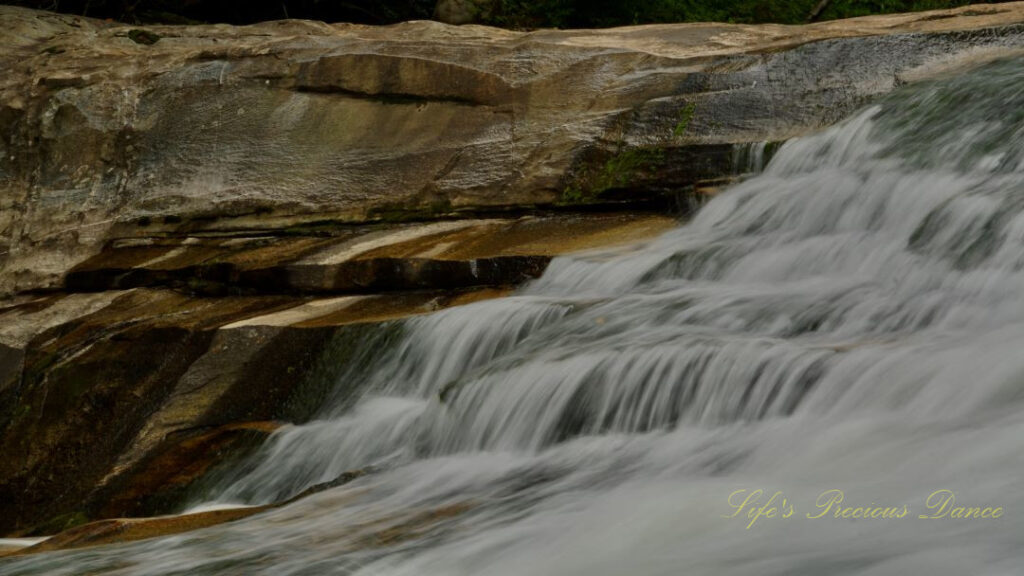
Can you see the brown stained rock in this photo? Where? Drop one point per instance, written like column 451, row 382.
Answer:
column 9, row 550
column 87, row 387
column 119, row 530
column 120, row 411
column 167, row 472
column 391, row 274
column 244, row 375
column 268, row 127
column 551, row 236
column 193, row 264
column 384, row 308
column 378, row 532
column 371, row 534
column 106, row 394
column 74, row 418
column 367, row 259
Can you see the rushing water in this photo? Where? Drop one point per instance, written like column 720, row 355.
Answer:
column 851, row 319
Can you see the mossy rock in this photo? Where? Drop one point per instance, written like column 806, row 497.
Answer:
column 685, row 116
column 619, row 171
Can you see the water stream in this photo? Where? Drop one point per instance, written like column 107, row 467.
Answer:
column 850, row 319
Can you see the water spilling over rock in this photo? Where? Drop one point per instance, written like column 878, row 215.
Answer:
column 850, row 319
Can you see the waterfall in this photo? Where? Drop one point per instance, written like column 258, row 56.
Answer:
column 851, row 318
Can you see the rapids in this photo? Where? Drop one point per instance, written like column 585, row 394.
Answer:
column 851, row 318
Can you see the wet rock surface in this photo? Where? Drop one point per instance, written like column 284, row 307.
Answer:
column 368, row 259
column 281, row 124
column 191, row 227
column 116, row 401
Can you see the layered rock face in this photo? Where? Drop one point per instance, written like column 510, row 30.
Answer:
column 195, row 222
column 114, row 132
column 167, row 356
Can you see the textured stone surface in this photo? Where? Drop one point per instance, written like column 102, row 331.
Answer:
column 371, row 533
column 266, row 126
column 450, row 254
column 118, row 530
column 104, row 395
column 196, row 221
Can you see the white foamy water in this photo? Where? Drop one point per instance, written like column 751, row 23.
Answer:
column 851, row 319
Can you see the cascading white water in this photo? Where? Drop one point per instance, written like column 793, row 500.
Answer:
column 851, row 319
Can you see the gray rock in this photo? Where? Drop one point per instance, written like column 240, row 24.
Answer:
column 261, row 127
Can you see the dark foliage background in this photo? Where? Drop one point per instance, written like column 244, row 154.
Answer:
column 508, row 13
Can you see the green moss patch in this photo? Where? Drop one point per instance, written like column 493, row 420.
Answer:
column 685, row 116
column 621, row 170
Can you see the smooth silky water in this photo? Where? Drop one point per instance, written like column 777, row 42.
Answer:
column 852, row 319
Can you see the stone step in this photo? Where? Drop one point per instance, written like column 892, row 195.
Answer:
column 101, row 393
column 370, row 259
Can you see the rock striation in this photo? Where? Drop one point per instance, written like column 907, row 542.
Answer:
column 197, row 222
column 113, row 132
